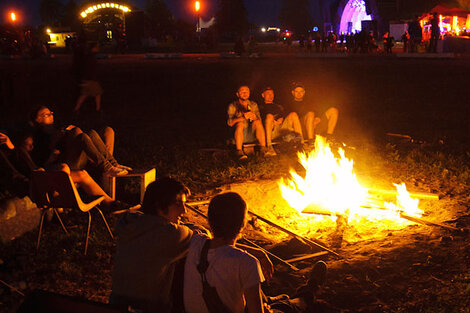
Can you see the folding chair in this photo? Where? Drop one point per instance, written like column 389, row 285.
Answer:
column 55, row 189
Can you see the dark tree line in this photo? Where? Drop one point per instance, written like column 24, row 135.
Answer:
column 56, row 13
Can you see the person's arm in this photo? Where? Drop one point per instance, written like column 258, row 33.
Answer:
column 5, row 140
column 231, row 114
column 254, row 303
column 264, row 261
column 255, row 111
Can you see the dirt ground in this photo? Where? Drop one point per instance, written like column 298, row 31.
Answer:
column 163, row 110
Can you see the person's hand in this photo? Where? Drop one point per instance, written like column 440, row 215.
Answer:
column 278, row 121
column 250, row 116
column 266, row 264
column 5, row 140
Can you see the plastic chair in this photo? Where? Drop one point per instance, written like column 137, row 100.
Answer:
column 55, row 189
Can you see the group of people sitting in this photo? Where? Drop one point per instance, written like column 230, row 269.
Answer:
column 163, row 265
column 44, row 145
column 301, row 117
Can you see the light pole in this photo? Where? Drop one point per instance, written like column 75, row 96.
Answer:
column 13, row 17
column 197, row 7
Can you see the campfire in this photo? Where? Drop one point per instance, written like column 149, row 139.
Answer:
column 330, row 189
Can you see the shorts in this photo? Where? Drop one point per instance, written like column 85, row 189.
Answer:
column 249, row 134
column 91, row 88
column 281, row 130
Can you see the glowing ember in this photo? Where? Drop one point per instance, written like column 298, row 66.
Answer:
column 330, row 188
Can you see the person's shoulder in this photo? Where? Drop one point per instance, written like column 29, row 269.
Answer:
column 198, row 240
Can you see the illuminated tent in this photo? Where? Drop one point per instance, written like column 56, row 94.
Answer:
column 444, row 10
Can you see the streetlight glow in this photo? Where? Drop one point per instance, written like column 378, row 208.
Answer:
column 12, row 16
column 197, row 6
column 48, row 30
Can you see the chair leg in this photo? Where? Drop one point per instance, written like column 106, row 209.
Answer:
column 88, row 232
column 106, row 223
column 43, row 214
column 60, row 220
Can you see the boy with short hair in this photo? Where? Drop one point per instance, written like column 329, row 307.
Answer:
column 236, row 274
column 148, row 247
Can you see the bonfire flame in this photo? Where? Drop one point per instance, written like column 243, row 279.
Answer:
column 330, row 187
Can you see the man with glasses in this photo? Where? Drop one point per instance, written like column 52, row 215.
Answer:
column 149, row 247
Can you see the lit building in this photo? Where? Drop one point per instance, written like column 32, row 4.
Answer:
column 112, row 22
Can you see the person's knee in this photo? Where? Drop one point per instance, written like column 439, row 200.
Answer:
column 92, row 133
column 269, row 118
column 293, row 117
column 108, row 132
column 309, row 117
column 332, row 112
column 76, row 131
column 63, row 167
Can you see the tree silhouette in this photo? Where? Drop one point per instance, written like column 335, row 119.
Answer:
column 51, row 12
column 231, row 17
column 295, row 15
column 158, row 19
column 71, row 15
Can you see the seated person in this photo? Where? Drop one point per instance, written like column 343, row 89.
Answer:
column 149, row 245
column 12, row 182
column 22, row 165
column 310, row 115
column 70, row 146
column 243, row 115
column 235, row 274
column 275, row 119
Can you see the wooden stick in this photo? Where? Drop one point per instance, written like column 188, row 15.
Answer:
column 307, row 256
column 202, row 202
column 12, row 288
column 250, row 242
column 428, row 223
column 418, row 195
column 271, row 254
column 292, row 233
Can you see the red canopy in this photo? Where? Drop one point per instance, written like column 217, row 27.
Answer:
column 441, row 9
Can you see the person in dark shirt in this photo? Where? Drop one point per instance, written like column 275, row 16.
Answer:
column 435, row 33
column 276, row 119
column 310, row 114
column 70, row 145
column 85, row 70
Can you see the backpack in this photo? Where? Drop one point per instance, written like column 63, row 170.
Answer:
column 209, row 293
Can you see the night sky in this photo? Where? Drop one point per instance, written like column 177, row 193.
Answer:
column 261, row 12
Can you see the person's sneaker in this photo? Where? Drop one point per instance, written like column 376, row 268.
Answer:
column 127, row 168
column 115, row 171
column 309, row 144
column 270, row 151
column 241, row 155
column 316, row 279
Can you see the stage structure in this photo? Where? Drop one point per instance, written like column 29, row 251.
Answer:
column 353, row 15
column 105, row 22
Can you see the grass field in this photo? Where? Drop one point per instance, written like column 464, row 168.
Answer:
column 171, row 114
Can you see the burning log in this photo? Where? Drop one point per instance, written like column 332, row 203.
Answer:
column 292, row 233
column 428, row 223
column 416, row 195
column 249, row 241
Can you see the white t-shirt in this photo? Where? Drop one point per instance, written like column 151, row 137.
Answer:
column 231, row 271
